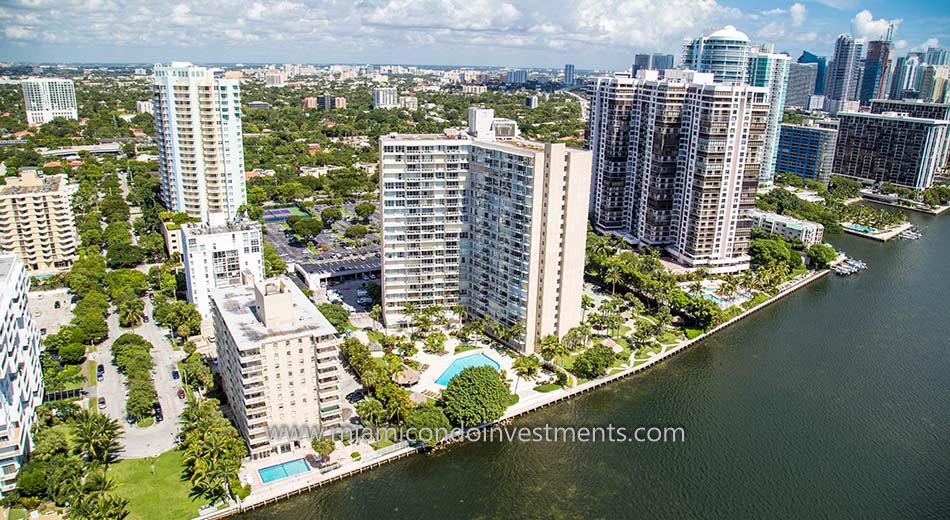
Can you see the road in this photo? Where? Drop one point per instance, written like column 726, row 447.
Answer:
column 160, row 437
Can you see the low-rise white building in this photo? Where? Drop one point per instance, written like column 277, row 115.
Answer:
column 279, row 365
column 216, row 257
column 21, row 377
column 809, row 233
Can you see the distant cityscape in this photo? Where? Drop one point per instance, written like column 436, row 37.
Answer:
column 255, row 265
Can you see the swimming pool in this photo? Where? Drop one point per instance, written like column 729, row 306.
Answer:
column 283, row 470
column 857, row 227
column 475, row 360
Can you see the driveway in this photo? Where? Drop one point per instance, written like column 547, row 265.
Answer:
column 160, row 437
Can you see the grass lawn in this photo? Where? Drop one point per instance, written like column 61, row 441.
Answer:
column 91, row 373
column 550, row 387
column 624, row 330
column 160, row 495
column 375, row 335
column 693, row 333
column 146, row 422
column 381, row 443
column 17, row 513
column 464, row 348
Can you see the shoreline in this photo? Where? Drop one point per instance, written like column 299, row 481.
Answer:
column 940, row 210
column 880, row 236
column 314, row 479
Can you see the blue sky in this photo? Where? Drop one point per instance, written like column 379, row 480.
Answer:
column 544, row 33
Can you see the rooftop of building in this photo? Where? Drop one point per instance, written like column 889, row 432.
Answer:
column 911, row 102
column 6, row 265
column 237, row 307
column 796, row 223
column 197, row 229
column 31, row 181
column 894, row 116
column 729, row 32
column 516, row 142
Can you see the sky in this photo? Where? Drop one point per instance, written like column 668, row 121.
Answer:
column 593, row 34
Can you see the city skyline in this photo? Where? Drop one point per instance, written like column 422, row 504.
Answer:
column 590, row 34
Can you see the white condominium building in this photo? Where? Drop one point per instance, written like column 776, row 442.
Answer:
column 385, row 97
column 200, row 148
column 497, row 226
column 279, row 364
column 36, row 220
column 217, row 257
column 21, row 377
column 48, row 98
column 809, row 233
column 676, row 163
column 144, row 107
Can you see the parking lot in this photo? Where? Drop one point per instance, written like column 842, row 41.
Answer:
column 349, row 292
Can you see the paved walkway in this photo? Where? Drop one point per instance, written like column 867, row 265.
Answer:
column 160, row 437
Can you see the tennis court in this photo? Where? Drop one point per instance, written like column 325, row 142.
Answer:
column 282, row 214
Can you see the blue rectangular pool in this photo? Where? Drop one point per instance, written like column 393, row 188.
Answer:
column 475, row 360
column 283, row 470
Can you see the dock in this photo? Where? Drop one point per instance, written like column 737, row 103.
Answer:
column 879, row 235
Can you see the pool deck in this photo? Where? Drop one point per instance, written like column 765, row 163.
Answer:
column 882, row 236
column 264, row 494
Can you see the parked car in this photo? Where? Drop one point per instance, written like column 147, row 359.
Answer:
column 102, row 403
column 356, row 396
column 145, row 319
column 181, row 393
column 159, row 416
column 100, row 372
column 361, row 291
column 129, row 419
column 175, row 374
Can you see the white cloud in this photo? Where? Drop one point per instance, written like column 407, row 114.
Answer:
column 901, row 44
column 863, row 25
column 806, row 37
column 929, row 43
column 797, row 12
column 778, row 30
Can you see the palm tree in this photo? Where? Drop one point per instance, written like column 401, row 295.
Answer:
column 527, row 366
column 613, row 277
column 131, row 312
column 409, row 311
column 516, row 330
column 100, row 506
column 375, row 314
column 372, row 411
column 550, row 347
column 587, row 303
column 97, row 437
column 459, row 311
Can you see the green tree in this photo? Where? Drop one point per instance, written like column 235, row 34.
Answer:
column 273, row 263
column 593, row 362
column 364, row 210
column 821, row 255
column 322, row 445
column 427, row 423
column 372, row 411
column 331, row 215
column 476, row 395
column 96, row 437
column 72, row 353
column 131, row 312
column 527, row 366
column 356, row 231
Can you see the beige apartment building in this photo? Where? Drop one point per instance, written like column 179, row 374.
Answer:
column 279, row 363
column 497, row 225
column 36, row 221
